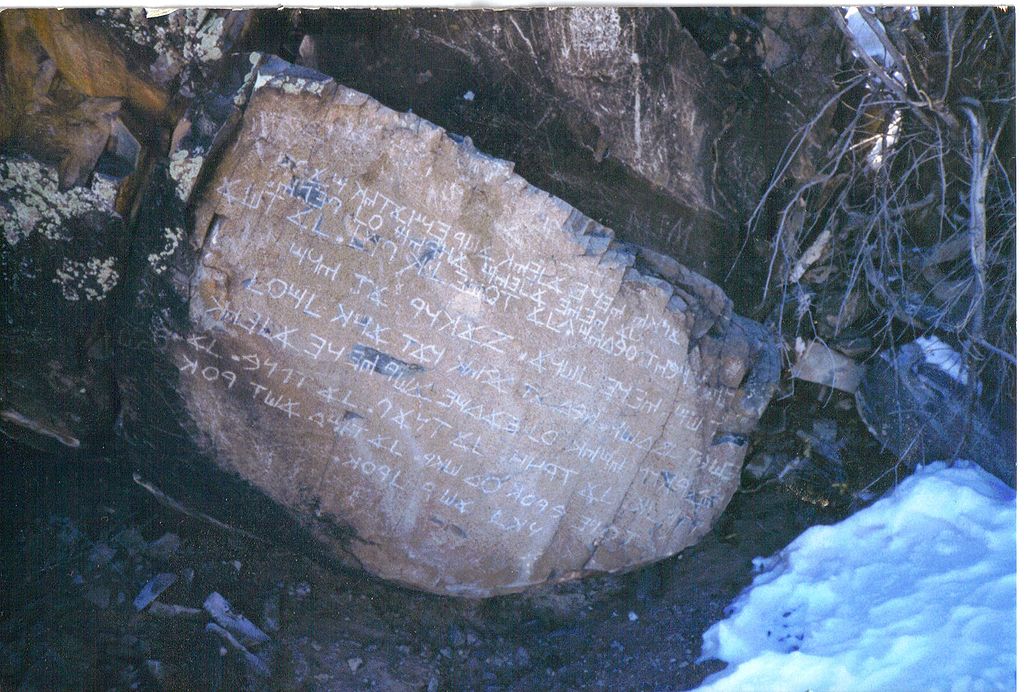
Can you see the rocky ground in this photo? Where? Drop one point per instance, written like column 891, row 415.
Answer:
column 81, row 542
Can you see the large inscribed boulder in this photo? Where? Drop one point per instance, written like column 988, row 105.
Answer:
column 454, row 378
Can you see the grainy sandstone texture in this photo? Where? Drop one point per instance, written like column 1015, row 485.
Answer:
column 457, row 379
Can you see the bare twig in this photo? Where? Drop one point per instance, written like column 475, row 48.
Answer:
column 879, row 31
column 887, row 79
column 792, row 149
column 1008, row 357
column 976, row 225
column 169, row 502
column 811, row 255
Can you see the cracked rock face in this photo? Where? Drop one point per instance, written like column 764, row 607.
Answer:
column 455, row 379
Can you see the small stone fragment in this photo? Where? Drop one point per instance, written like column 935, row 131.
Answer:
column 300, row 590
column 354, row 664
column 156, row 670
column 820, row 364
column 99, row 596
column 220, row 610
column 171, row 610
column 307, row 52
column 764, row 466
column 153, row 588
column 165, row 547
column 101, row 555
column 272, row 612
column 130, row 540
column 252, row 661
column 823, row 439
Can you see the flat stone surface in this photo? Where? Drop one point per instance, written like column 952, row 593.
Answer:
column 453, row 377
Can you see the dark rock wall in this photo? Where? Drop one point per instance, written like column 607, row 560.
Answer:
column 620, row 112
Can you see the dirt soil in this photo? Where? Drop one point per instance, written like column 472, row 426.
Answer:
column 80, row 539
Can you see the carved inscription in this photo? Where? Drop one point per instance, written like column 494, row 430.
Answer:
column 439, row 361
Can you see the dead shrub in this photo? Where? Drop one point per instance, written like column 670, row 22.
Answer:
column 914, row 206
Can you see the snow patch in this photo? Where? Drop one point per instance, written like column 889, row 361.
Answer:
column 868, row 43
column 916, row 592
column 940, row 354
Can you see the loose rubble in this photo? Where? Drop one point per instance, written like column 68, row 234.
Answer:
column 153, row 588
column 63, row 549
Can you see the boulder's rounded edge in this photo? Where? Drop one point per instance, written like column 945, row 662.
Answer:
column 454, row 379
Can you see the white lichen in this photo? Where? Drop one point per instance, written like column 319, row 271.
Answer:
column 31, row 202
column 206, row 47
column 242, row 95
column 105, row 188
column 180, row 38
column 290, row 84
column 184, row 168
column 173, row 238
column 91, row 280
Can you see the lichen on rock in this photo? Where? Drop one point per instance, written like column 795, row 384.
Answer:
column 91, row 280
column 61, row 258
column 158, row 260
column 184, row 167
column 31, row 201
